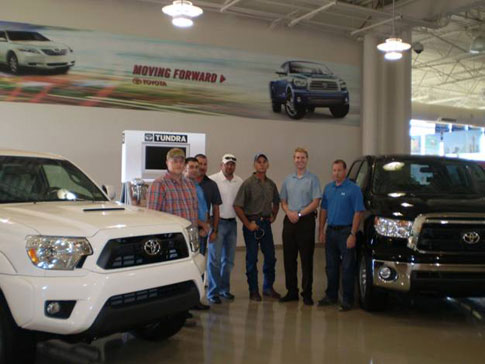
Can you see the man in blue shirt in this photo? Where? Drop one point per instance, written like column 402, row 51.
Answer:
column 342, row 207
column 300, row 195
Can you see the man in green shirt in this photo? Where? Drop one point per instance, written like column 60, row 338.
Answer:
column 256, row 205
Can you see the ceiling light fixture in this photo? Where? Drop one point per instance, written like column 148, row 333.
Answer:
column 182, row 12
column 393, row 46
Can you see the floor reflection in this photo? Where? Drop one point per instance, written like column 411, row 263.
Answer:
column 422, row 330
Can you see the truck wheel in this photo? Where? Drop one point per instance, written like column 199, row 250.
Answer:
column 339, row 111
column 371, row 299
column 294, row 111
column 16, row 345
column 276, row 106
column 162, row 329
column 13, row 63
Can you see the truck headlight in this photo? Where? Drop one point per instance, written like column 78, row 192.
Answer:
column 29, row 50
column 343, row 86
column 193, row 234
column 57, row 252
column 300, row 82
column 393, row 228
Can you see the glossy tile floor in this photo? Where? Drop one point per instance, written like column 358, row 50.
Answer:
column 418, row 331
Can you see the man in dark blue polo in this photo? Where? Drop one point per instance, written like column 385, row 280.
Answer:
column 342, row 206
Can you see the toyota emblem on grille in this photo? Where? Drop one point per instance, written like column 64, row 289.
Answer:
column 152, row 247
column 471, row 237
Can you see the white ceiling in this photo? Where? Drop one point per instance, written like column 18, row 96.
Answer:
column 445, row 73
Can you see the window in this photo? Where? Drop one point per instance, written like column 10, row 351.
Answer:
column 362, row 176
column 352, row 175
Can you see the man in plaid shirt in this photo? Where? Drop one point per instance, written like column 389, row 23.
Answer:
column 173, row 193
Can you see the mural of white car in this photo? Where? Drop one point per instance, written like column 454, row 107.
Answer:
column 28, row 49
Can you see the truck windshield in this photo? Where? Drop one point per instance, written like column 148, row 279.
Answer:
column 428, row 177
column 309, row 67
column 27, row 179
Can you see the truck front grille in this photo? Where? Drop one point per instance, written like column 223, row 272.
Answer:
column 142, row 250
column 450, row 237
column 317, row 85
column 55, row 52
column 152, row 294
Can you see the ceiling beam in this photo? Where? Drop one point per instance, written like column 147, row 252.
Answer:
column 378, row 24
column 311, row 13
column 228, row 5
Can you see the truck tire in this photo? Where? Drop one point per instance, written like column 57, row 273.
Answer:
column 161, row 329
column 339, row 111
column 16, row 345
column 294, row 111
column 13, row 63
column 276, row 106
column 371, row 299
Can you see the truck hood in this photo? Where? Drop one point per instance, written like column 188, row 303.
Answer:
column 408, row 207
column 83, row 218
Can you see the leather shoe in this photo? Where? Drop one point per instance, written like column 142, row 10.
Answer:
column 228, row 296
column 326, row 301
column 201, row 307
column 308, row 301
column 215, row 300
column 344, row 307
column 271, row 293
column 254, row 296
column 289, row 297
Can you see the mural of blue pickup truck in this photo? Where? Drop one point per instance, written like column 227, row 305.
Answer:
column 303, row 86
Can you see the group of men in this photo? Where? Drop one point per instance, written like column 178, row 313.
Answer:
column 212, row 203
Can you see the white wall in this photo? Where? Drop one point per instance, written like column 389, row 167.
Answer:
column 91, row 137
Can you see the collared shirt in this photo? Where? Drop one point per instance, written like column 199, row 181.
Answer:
column 177, row 197
column 202, row 205
column 256, row 197
column 211, row 192
column 342, row 202
column 228, row 190
column 299, row 192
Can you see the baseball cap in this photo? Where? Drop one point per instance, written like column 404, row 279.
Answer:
column 256, row 157
column 175, row 153
column 226, row 158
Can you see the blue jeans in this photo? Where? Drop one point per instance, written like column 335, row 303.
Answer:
column 221, row 259
column 267, row 247
column 336, row 252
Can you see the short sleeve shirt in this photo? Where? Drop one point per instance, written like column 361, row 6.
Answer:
column 211, row 192
column 299, row 192
column 257, row 197
column 228, row 190
column 342, row 202
column 202, row 205
column 177, row 197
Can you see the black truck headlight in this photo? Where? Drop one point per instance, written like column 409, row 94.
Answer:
column 393, row 228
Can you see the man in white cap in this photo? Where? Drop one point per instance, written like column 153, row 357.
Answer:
column 223, row 248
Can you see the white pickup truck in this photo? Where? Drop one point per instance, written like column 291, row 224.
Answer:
column 74, row 265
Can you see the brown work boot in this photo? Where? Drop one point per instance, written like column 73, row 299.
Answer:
column 271, row 293
column 254, row 296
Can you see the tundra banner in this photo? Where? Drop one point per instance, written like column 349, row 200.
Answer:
column 42, row 64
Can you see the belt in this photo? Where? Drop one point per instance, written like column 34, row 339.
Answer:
column 231, row 219
column 257, row 217
column 339, row 227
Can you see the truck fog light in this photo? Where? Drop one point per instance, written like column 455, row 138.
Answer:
column 53, row 308
column 59, row 309
column 298, row 99
column 386, row 273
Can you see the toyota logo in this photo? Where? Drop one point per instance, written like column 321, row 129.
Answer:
column 152, row 247
column 471, row 237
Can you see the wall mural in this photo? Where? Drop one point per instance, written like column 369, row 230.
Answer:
column 52, row 65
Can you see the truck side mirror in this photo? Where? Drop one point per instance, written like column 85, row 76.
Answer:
column 110, row 191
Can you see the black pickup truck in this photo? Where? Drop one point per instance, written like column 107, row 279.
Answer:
column 424, row 227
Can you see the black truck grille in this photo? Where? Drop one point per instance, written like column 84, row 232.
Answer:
column 142, row 250
column 148, row 295
column 451, row 237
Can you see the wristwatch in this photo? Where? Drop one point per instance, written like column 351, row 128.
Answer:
column 299, row 213
column 352, row 233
